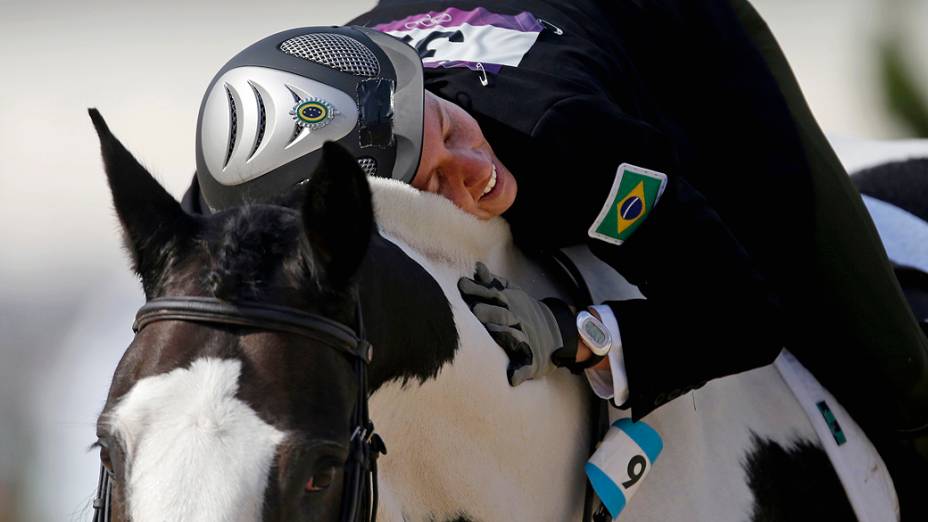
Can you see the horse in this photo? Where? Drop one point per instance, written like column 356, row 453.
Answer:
column 218, row 422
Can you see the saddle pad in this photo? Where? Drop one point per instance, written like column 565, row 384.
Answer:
column 859, row 467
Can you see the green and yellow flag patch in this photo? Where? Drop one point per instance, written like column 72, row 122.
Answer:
column 634, row 194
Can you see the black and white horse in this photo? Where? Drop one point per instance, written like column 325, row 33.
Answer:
column 213, row 423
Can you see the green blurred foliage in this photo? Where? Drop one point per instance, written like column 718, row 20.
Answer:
column 904, row 96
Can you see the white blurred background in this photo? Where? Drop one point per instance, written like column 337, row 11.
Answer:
column 66, row 294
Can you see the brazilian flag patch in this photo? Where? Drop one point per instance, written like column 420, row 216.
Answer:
column 634, row 194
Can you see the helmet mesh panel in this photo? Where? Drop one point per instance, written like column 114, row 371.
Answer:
column 369, row 165
column 296, row 133
column 262, row 120
column 334, row 50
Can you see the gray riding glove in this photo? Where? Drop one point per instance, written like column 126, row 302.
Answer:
column 526, row 328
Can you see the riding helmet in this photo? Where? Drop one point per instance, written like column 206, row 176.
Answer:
column 267, row 112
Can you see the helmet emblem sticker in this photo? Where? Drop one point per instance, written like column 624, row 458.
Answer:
column 313, row 113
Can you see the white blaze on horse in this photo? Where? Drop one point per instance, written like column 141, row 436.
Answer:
column 219, row 422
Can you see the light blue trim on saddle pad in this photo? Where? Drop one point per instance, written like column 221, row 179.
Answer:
column 643, row 435
column 607, row 490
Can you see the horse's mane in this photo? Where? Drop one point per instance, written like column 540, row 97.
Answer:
column 433, row 226
column 247, row 246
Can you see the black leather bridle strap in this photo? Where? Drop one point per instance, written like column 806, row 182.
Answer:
column 366, row 446
column 255, row 315
column 101, row 504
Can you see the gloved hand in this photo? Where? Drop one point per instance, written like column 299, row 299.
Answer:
column 523, row 326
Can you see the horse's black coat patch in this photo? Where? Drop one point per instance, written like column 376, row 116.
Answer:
column 794, row 483
column 902, row 183
column 408, row 314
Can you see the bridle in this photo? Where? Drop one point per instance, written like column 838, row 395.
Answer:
column 359, row 496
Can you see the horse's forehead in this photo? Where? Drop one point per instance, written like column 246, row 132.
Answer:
column 162, row 347
column 187, row 435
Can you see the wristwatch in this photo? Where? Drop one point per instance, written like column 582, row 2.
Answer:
column 594, row 333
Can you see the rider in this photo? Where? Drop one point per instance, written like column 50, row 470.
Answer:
column 759, row 239
column 728, row 245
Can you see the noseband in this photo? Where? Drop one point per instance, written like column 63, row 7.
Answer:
column 359, row 498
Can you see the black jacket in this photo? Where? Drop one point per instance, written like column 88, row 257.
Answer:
column 672, row 86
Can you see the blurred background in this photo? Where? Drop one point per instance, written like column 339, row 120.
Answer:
column 66, row 294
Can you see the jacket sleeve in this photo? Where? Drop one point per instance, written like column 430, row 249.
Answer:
column 709, row 312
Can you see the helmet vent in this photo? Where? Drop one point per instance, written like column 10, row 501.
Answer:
column 368, row 165
column 334, row 50
column 262, row 120
column 233, row 127
column 296, row 133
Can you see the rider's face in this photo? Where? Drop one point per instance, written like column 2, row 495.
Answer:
column 458, row 163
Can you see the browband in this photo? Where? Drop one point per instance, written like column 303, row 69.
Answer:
column 253, row 315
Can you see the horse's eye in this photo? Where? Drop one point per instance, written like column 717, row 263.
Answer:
column 321, row 480
column 105, row 455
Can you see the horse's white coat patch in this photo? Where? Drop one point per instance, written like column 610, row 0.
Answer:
column 193, row 450
column 432, row 226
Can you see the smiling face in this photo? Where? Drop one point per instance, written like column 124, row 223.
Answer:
column 459, row 164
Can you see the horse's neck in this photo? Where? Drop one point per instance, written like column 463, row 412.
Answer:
column 455, row 427
column 420, row 234
column 409, row 280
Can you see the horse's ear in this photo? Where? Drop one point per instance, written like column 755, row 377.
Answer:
column 154, row 225
column 337, row 216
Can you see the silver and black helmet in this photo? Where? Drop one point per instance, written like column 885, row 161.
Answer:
column 268, row 111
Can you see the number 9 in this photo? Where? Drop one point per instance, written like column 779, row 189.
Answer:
column 636, row 467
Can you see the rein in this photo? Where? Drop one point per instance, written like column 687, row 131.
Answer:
column 359, row 500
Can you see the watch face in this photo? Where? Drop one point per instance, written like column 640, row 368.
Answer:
column 594, row 333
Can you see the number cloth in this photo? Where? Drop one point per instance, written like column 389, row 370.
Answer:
column 622, row 462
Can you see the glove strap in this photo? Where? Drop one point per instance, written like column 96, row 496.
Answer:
column 566, row 355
